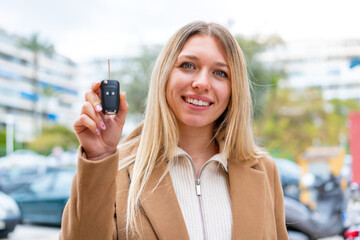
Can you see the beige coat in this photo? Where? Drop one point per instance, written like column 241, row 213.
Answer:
column 96, row 208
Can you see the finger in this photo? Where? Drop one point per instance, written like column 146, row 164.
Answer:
column 88, row 109
column 94, row 99
column 123, row 109
column 123, row 103
column 96, row 87
column 84, row 122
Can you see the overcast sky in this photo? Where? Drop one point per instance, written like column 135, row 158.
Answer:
column 82, row 30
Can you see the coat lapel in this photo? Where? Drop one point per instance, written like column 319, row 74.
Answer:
column 247, row 192
column 162, row 208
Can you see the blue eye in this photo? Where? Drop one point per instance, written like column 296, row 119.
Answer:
column 187, row 65
column 220, row 73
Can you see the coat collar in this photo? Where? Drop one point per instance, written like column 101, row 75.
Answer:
column 247, row 193
column 220, row 157
column 161, row 206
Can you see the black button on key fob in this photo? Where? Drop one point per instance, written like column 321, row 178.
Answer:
column 109, row 92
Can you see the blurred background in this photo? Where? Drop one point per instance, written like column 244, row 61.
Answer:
column 303, row 62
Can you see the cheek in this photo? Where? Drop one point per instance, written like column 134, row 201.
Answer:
column 176, row 84
column 225, row 92
column 170, row 93
column 169, row 87
column 167, row 91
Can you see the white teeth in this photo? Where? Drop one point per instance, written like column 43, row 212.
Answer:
column 197, row 102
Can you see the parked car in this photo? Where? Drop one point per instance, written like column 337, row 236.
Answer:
column 12, row 179
column 43, row 201
column 290, row 173
column 9, row 215
column 22, row 158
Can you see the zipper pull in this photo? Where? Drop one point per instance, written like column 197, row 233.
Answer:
column 198, row 188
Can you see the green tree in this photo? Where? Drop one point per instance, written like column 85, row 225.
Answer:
column 16, row 145
column 263, row 79
column 288, row 125
column 135, row 76
column 296, row 119
column 54, row 136
column 334, row 130
column 2, row 141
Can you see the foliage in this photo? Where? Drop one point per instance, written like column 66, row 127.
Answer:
column 36, row 46
column 297, row 119
column 261, row 77
column 56, row 135
column 2, row 142
column 135, row 77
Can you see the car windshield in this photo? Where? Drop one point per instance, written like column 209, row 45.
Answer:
column 42, row 184
column 57, row 182
column 63, row 182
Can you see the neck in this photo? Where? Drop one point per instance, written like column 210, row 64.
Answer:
column 198, row 143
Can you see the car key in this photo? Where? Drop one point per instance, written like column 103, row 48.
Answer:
column 109, row 92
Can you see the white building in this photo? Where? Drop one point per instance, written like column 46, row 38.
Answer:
column 29, row 104
column 320, row 64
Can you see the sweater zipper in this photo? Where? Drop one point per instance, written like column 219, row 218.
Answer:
column 198, row 193
column 197, row 180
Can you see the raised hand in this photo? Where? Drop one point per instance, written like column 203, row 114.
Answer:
column 98, row 133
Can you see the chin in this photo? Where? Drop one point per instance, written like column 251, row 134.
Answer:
column 196, row 122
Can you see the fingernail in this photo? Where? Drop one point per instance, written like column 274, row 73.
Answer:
column 125, row 96
column 98, row 108
column 102, row 125
column 97, row 131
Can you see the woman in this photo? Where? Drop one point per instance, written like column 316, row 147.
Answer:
column 191, row 170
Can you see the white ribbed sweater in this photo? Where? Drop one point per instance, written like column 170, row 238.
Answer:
column 204, row 202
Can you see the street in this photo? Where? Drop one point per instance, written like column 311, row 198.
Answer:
column 36, row 232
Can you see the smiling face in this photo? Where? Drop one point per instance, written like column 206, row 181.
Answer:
column 199, row 87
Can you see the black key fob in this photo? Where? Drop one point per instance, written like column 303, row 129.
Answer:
column 110, row 96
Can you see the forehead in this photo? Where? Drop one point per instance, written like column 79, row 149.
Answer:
column 202, row 42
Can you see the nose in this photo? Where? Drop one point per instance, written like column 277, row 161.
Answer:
column 202, row 81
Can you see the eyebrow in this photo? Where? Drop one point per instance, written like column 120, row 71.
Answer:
column 217, row 63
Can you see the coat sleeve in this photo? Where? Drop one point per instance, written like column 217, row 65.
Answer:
column 279, row 207
column 90, row 210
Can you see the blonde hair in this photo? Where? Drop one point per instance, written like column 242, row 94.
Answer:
column 157, row 137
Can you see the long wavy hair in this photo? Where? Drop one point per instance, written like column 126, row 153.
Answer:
column 156, row 138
